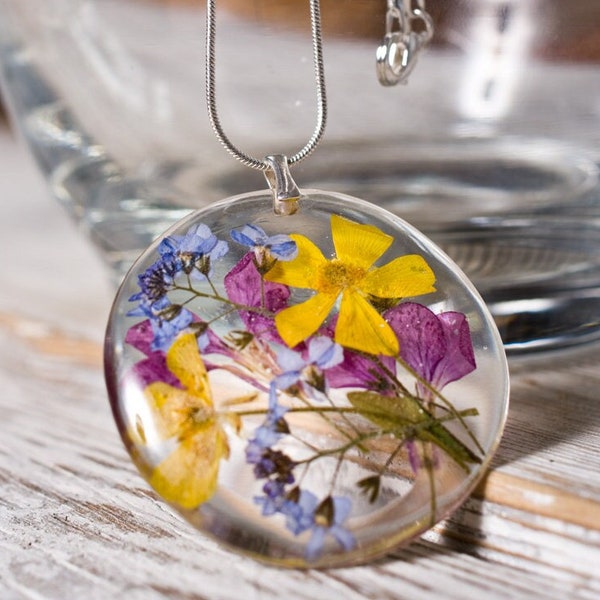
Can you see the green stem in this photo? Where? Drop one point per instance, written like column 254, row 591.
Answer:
column 448, row 405
column 409, row 431
column 218, row 298
column 336, row 472
column 429, row 465
column 468, row 412
column 392, row 456
column 212, row 286
column 323, row 413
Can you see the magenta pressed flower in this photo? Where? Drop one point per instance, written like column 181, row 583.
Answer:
column 437, row 347
column 245, row 286
column 153, row 367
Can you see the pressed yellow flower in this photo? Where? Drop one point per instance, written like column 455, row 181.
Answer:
column 188, row 476
column 352, row 276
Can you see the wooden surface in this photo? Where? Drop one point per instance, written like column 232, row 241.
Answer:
column 76, row 520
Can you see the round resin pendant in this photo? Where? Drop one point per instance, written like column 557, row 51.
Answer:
column 311, row 389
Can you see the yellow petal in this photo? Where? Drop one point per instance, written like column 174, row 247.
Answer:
column 361, row 327
column 356, row 243
column 171, row 409
column 183, row 360
column 188, row 476
column 298, row 322
column 300, row 272
column 404, row 277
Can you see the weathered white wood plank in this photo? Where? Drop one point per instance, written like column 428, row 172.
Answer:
column 76, row 520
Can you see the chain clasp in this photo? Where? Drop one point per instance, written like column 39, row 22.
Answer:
column 397, row 54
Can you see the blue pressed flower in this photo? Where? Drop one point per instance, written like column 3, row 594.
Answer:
column 329, row 518
column 157, row 279
column 274, row 498
column 300, row 515
column 259, row 450
column 254, row 451
column 273, row 428
column 265, row 436
column 166, row 320
column 322, row 519
column 292, row 364
column 194, row 251
column 165, row 331
column 323, row 354
column 279, row 246
column 199, row 239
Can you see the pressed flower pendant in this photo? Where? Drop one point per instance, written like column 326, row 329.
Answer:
column 312, row 389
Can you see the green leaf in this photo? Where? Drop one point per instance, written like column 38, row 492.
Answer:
column 450, row 444
column 389, row 412
column 406, row 418
column 370, row 486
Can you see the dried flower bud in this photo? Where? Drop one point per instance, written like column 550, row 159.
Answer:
column 371, row 486
column 240, row 339
column 170, row 312
column 293, row 495
column 198, row 328
column 324, row 515
column 203, row 264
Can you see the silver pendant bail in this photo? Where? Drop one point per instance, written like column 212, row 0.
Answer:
column 285, row 191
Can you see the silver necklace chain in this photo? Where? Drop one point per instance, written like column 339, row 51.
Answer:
column 211, row 101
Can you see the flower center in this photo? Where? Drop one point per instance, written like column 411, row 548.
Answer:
column 337, row 276
column 202, row 414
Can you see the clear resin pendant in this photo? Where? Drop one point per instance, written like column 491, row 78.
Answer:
column 312, row 389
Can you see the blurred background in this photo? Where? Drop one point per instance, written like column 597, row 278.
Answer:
column 492, row 148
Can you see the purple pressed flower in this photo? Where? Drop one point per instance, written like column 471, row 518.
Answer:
column 280, row 246
column 245, row 286
column 140, row 336
column 362, row 371
column 437, row 347
column 459, row 358
column 154, row 368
